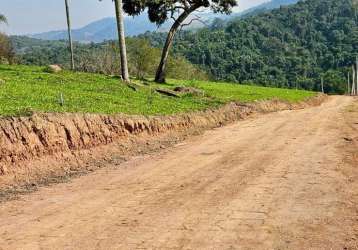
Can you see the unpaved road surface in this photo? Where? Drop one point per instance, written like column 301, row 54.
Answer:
column 284, row 180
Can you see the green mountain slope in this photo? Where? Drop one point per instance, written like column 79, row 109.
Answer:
column 292, row 46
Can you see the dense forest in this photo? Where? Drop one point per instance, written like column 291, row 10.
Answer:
column 103, row 57
column 294, row 46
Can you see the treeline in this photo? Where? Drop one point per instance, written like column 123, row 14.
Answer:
column 104, row 57
column 294, row 46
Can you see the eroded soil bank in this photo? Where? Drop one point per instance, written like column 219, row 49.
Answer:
column 35, row 149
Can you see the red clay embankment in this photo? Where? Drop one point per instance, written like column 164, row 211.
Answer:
column 32, row 149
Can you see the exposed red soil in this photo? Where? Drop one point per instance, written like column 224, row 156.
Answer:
column 33, row 149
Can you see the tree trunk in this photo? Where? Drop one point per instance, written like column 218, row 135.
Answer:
column 70, row 35
column 122, row 40
column 160, row 75
column 348, row 83
column 357, row 75
column 353, row 80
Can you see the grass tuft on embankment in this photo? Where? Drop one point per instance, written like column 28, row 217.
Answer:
column 27, row 89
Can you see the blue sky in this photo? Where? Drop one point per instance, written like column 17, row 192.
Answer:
column 33, row 16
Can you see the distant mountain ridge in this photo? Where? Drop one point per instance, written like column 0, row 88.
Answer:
column 105, row 29
column 274, row 4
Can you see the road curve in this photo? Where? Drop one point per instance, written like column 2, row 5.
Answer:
column 270, row 182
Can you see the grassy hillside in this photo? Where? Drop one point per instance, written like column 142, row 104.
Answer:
column 25, row 89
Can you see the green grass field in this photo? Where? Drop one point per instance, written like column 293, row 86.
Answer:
column 30, row 89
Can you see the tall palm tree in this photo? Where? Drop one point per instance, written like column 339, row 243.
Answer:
column 3, row 19
column 122, row 40
column 69, row 34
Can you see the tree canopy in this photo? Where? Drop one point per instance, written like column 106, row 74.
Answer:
column 160, row 11
column 3, row 18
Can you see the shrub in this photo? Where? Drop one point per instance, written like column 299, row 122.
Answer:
column 7, row 53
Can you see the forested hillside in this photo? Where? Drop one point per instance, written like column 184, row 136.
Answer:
column 292, row 46
column 103, row 57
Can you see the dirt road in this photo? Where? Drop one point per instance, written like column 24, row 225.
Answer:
column 284, row 180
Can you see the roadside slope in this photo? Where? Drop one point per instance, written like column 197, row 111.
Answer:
column 276, row 181
column 43, row 146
